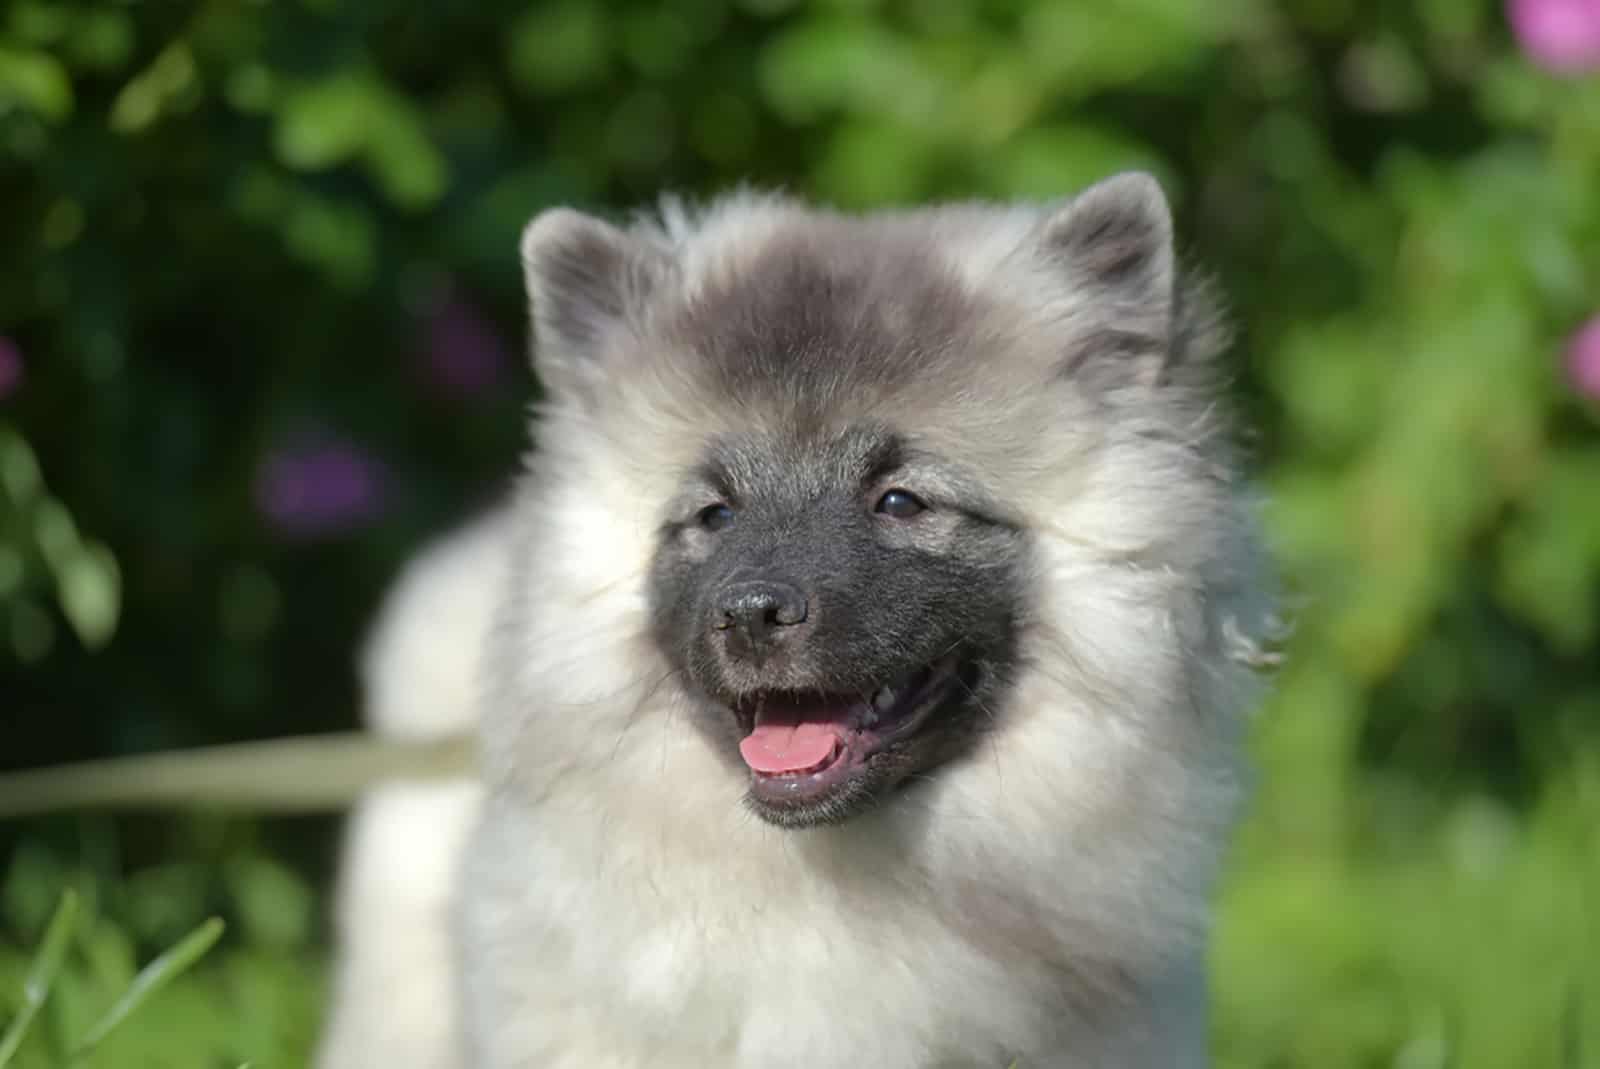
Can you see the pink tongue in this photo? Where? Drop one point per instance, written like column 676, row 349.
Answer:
column 782, row 745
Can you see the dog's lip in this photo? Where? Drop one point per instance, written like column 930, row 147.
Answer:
column 862, row 729
column 865, row 712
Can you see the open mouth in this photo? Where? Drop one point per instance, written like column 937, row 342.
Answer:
column 802, row 748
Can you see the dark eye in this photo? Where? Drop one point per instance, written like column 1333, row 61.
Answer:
column 715, row 517
column 901, row 504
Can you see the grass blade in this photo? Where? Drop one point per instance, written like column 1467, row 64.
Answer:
column 152, row 978
column 41, row 974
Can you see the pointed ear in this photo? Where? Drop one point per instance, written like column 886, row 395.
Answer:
column 585, row 280
column 1114, row 242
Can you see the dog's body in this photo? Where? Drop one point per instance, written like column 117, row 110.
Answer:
column 865, row 680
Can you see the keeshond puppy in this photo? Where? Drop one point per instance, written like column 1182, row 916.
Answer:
column 861, row 665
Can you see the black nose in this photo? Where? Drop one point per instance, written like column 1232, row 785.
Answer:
column 755, row 614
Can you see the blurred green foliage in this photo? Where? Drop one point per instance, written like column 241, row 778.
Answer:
column 230, row 228
column 258, row 1003
column 39, row 983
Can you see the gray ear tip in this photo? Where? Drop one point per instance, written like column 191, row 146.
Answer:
column 1145, row 181
column 552, row 228
column 1130, row 183
column 1136, row 191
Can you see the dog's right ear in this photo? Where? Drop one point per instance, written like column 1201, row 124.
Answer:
column 1112, row 245
column 587, row 281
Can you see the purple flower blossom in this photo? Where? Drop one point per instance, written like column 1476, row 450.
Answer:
column 10, row 367
column 464, row 354
column 1562, row 36
column 1583, row 359
column 320, row 490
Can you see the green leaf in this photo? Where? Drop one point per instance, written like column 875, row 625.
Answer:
column 405, row 163
column 559, row 47
column 324, row 124
column 871, row 164
column 168, row 81
column 151, row 979
column 41, row 974
column 55, row 532
column 19, row 469
column 354, row 115
column 34, row 81
column 843, row 63
column 90, row 587
column 275, row 907
column 1083, row 48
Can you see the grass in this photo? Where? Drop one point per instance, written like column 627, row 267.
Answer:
column 1374, row 929
column 41, row 975
column 47, row 965
column 1469, row 942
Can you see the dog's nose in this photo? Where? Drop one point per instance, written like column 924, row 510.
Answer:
column 754, row 615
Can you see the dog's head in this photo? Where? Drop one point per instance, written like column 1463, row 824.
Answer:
column 893, row 467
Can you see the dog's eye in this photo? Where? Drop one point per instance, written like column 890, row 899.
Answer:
column 900, row 504
column 715, row 517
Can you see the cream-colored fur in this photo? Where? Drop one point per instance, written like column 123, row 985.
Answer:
column 395, row 977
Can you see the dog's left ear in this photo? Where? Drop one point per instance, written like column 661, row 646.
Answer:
column 586, row 280
column 1113, row 243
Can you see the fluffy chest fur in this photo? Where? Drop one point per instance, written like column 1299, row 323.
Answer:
column 631, row 926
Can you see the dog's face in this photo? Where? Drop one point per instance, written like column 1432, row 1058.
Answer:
column 852, row 437
column 846, row 604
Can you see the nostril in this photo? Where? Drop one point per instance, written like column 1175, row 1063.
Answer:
column 787, row 613
column 756, row 610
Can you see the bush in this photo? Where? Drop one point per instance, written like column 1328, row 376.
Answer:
column 260, row 333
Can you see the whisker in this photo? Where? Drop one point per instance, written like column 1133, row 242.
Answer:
column 638, row 706
column 994, row 724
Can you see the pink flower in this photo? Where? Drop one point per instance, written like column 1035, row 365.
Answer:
column 320, row 490
column 1583, row 359
column 10, row 367
column 1562, row 36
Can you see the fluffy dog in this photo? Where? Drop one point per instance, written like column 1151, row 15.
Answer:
column 860, row 666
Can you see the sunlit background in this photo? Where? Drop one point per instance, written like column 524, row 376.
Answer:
column 261, row 333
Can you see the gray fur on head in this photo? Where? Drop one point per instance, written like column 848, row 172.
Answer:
column 1101, row 265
